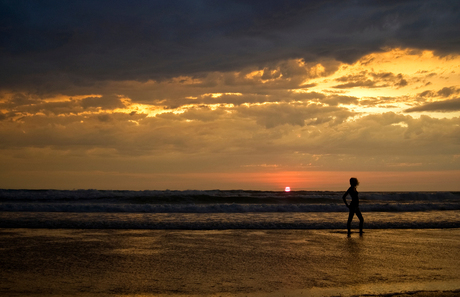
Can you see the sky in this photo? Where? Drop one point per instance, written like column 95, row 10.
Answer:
column 253, row 95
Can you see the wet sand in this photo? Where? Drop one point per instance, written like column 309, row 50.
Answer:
column 388, row 262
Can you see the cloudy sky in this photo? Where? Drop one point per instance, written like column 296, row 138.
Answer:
column 260, row 95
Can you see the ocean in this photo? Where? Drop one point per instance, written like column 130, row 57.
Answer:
column 223, row 209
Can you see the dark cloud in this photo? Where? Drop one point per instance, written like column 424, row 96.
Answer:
column 443, row 106
column 334, row 100
column 366, row 79
column 274, row 115
column 31, row 104
column 361, row 84
column 52, row 44
column 104, row 118
column 446, row 92
column 105, row 102
column 443, row 93
column 426, row 94
column 401, row 83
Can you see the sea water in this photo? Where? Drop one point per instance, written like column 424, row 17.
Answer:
column 220, row 209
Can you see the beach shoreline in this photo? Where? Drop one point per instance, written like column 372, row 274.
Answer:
column 109, row 262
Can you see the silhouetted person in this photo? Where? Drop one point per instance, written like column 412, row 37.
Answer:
column 354, row 205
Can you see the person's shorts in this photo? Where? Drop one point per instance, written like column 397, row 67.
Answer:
column 354, row 208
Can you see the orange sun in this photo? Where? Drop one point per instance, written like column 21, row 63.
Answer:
column 287, row 189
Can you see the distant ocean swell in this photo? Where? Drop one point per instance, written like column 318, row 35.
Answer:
column 217, row 209
column 212, row 195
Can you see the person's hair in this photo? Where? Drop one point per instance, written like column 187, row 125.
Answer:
column 354, row 181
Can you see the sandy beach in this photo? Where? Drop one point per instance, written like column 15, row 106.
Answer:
column 388, row 262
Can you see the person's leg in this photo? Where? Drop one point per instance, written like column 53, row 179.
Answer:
column 350, row 218
column 361, row 220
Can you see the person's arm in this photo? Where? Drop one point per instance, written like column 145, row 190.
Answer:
column 345, row 200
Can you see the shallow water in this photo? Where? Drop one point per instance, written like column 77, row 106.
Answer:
column 205, row 221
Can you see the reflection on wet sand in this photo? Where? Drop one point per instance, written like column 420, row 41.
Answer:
column 227, row 262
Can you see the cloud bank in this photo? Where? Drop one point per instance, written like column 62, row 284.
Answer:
column 51, row 44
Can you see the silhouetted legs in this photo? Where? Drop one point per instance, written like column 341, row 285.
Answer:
column 350, row 218
column 352, row 212
column 361, row 220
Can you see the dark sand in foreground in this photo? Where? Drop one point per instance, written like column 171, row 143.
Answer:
column 36, row 262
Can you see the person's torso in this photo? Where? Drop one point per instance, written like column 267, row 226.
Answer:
column 354, row 196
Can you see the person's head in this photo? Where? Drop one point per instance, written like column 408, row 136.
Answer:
column 354, row 182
